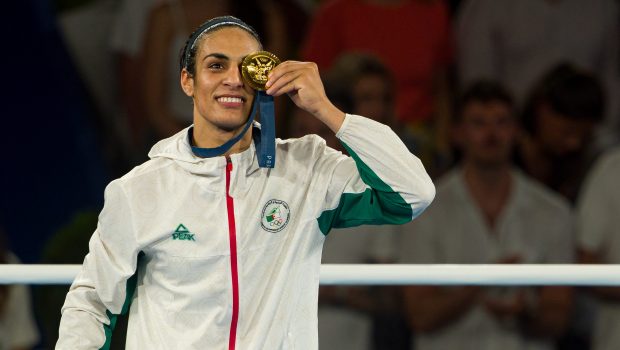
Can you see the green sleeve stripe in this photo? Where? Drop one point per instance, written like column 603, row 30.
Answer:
column 129, row 292
column 377, row 205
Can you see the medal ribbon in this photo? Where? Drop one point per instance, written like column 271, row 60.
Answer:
column 265, row 144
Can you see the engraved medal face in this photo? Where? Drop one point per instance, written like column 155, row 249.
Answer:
column 255, row 68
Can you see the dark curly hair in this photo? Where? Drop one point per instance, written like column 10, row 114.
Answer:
column 482, row 91
column 568, row 90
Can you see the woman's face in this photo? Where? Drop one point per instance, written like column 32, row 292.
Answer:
column 222, row 100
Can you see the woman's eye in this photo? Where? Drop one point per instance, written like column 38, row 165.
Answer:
column 216, row 66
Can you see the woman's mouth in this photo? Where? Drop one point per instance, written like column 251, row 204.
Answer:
column 230, row 101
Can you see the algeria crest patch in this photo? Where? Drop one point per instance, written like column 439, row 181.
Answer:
column 276, row 215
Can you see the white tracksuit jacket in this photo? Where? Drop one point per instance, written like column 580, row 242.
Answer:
column 217, row 253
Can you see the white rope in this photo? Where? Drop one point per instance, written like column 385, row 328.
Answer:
column 397, row 274
column 505, row 275
column 38, row 274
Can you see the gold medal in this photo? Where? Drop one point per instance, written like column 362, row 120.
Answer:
column 255, row 68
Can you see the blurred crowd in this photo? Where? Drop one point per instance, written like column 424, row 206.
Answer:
column 512, row 105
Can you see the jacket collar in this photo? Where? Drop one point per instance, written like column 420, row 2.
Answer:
column 178, row 149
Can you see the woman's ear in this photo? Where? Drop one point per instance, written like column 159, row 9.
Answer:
column 187, row 83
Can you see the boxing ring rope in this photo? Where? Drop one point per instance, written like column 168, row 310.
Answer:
column 392, row 274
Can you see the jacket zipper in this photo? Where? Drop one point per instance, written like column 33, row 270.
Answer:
column 232, row 237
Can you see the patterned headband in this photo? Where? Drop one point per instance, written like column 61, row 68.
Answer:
column 209, row 26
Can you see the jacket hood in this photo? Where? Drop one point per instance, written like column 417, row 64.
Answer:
column 178, row 149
